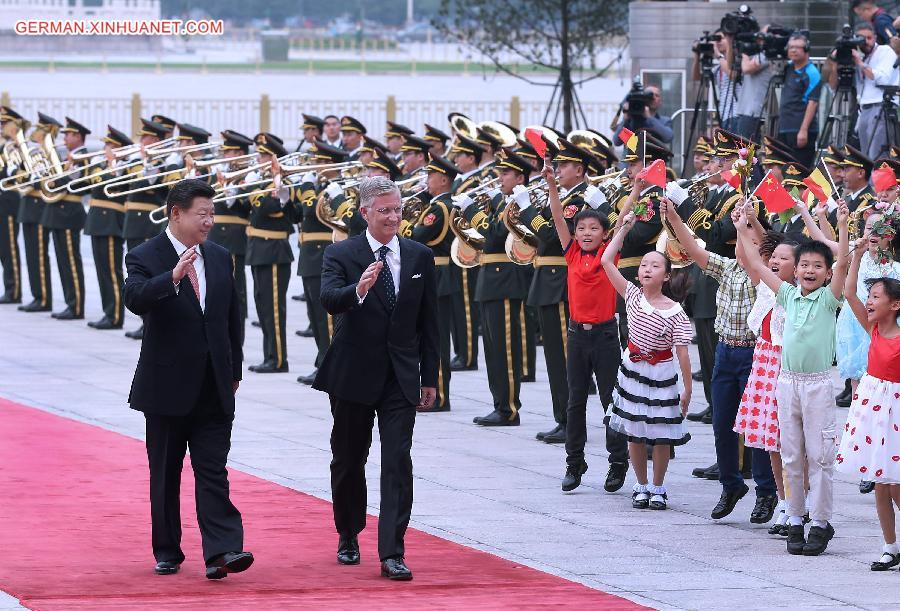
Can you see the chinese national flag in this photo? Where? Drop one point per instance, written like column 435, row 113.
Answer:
column 773, row 195
column 655, row 173
column 818, row 185
column 733, row 179
column 629, row 139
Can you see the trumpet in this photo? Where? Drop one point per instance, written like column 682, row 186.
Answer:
column 264, row 169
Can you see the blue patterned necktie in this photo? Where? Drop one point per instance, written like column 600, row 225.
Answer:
column 386, row 278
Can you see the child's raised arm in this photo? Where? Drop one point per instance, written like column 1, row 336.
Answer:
column 691, row 246
column 856, row 306
column 609, row 256
column 815, row 232
column 752, row 256
column 559, row 220
column 840, row 270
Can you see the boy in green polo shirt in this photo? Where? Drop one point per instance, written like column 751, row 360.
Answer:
column 804, row 391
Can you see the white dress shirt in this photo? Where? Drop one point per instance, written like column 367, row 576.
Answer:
column 199, row 267
column 881, row 61
column 392, row 259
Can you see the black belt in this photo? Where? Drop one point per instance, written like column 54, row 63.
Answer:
column 577, row 327
column 872, row 105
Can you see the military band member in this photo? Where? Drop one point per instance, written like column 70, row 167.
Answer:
column 794, row 173
column 167, row 123
column 834, row 162
column 233, row 215
column 65, row 220
column 314, row 237
column 312, row 127
column 415, row 155
column 367, row 150
column 491, row 147
column 272, row 217
column 35, row 236
column 438, row 140
column 381, row 164
column 394, row 137
column 10, row 123
column 352, row 132
column 466, row 317
column 105, row 220
column 432, row 228
column 858, row 193
column 138, row 226
column 702, row 152
column 500, row 292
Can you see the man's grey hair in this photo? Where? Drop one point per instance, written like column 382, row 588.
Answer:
column 375, row 186
column 864, row 25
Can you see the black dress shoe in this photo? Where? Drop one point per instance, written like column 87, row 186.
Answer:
column 698, row 416
column 229, row 562
column 7, row 299
column 817, row 540
column 846, row 394
column 256, row 324
column 136, row 334
column 34, row 306
column 727, row 502
column 458, row 363
column 707, row 418
column 885, row 564
column 395, row 569
column 615, row 477
column 764, row 509
column 697, row 376
column 496, row 418
column 307, row 332
column 795, row 541
column 105, row 324
column 166, row 567
column 540, row 436
column 348, row 550
column 701, row 471
column 573, row 476
column 300, row 297
column 271, row 367
column 435, row 408
column 866, row 487
column 67, row 314
column 712, row 473
column 557, row 436
column 308, row 379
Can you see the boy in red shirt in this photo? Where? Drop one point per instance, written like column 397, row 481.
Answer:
column 593, row 337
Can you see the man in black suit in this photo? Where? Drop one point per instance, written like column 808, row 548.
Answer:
column 383, row 360
column 187, row 374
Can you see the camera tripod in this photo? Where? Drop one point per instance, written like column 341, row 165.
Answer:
column 701, row 107
column 887, row 117
column 841, row 120
column 770, row 111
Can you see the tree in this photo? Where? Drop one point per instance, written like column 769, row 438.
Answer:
column 559, row 35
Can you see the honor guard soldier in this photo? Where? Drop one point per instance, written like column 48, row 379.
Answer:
column 547, row 293
column 65, row 220
column 138, row 226
column 394, row 137
column 500, row 292
column 491, row 147
column 382, row 165
column 367, row 150
column 105, row 220
column 167, row 123
column 233, row 217
column 774, row 157
column 438, row 140
column 415, row 155
column 312, row 127
column 858, row 193
column 35, row 235
column 466, row 313
column 702, row 153
column 834, row 163
column 272, row 217
column 315, row 236
column 794, row 172
column 352, row 132
column 10, row 123
column 432, row 228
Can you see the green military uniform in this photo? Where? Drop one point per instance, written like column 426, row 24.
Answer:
column 232, row 220
column 432, row 228
column 104, row 224
column 859, row 200
column 9, row 232
column 349, row 124
column 269, row 257
column 65, row 219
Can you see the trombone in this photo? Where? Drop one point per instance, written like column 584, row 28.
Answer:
column 121, row 152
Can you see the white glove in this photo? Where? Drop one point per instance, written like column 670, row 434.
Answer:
column 308, row 177
column 676, row 193
column 334, row 190
column 493, row 193
column 522, row 196
column 462, row 201
column 594, row 197
column 173, row 159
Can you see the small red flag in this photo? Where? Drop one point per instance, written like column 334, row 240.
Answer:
column 774, row 196
column 629, row 139
column 655, row 173
column 732, row 178
column 537, row 141
column 883, row 179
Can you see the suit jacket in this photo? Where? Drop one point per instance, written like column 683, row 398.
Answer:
column 179, row 337
column 369, row 337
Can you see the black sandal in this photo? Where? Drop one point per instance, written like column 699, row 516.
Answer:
column 640, row 500
column 658, row 501
column 881, row 565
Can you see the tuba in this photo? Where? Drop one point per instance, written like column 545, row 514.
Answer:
column 328, row 217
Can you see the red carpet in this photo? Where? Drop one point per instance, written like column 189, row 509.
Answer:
column 75, row 533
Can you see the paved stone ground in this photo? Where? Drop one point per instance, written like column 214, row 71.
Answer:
column 492, row 489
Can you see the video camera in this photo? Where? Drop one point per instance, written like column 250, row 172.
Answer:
column 705, row 45
column 638, row 99
column 772, row 43
column 845, row 45
column 740, row 21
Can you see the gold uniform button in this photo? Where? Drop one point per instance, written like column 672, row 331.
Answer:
column 497, row 269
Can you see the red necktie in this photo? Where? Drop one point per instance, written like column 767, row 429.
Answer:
column 192, row 276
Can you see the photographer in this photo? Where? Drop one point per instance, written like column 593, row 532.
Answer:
column 727, row 91
column 874, row 67
column 882, row 22
column 754, row 86
column 798, row 127
column 649, row 119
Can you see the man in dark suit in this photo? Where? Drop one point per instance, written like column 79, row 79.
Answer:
column 187, row 374
column 383, row 360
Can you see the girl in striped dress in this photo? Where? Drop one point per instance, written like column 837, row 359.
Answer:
column 648, row 406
